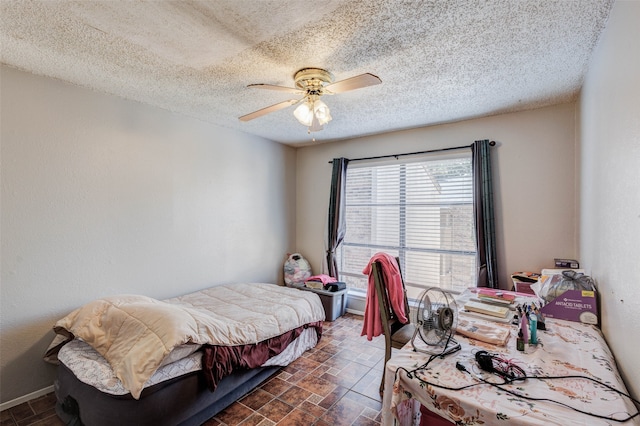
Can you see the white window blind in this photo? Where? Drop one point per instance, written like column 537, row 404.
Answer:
column 419, row 210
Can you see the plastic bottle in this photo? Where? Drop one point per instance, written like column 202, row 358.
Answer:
column 523, row 328
column 533, row 323
column 520, row 341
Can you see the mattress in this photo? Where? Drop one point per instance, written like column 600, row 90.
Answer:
column 184, row 401
column 179, row 392
column 138, row 335
column 91, row 368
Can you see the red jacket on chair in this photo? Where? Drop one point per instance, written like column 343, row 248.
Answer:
column 372, row 325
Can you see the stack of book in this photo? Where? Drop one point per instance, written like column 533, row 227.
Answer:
column 491, row 304
column 495, row 296
column 500, row 312
column 314, row 284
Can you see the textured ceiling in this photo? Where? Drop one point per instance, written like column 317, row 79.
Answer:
column 439, row 61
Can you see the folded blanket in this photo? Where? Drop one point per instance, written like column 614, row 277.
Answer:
column 135, row 333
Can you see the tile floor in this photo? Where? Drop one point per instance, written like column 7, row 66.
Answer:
column 336, row 384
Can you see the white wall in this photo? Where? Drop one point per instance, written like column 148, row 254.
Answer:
column 102, row 196
column 535, row 185
column 610, row 184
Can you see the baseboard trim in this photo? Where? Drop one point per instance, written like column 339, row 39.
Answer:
column 25, row 398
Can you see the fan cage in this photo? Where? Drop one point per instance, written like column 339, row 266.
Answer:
column 436, row 320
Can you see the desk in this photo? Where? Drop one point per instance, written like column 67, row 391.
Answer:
column 566, row 348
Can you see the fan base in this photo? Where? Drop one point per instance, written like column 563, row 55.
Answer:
column 439, row 351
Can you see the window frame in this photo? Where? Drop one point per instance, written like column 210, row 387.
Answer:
column 401, row 249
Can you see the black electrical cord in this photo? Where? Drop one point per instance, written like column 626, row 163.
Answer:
column 531, row 398
column 508, row 380
column 494, row 363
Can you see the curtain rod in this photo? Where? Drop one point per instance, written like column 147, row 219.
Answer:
column 492, row 143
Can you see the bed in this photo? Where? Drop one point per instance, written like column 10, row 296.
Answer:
column 131, row 359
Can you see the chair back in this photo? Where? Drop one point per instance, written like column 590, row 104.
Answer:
column 396, row 334
column 390, row 322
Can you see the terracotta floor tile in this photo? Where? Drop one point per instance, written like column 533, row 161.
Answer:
column 304, row 363
column 6, row 419
column 294, row 396
column 275, row 410
column 333, row 397
column 343, row 413
column 369, row 385
column 371, row 413
column 365, row 421
column 297, row 417
column 257, row 399
column 253, row 420
column 43, row 403
column 275, row 386
column 234, row 414
column 331, row 348
column 337, row 336
column 334, row 362
column 369, row 356
column 21, row 412
column 51, row 420
column 297, row 376
column 320, row 356
column 323, row 343
column 283, row 375
column 365, row 401
column 347, row 353
column 212, row 422
column 316, row 385
column 348, row 374
column 314, row 398
column 315, row 410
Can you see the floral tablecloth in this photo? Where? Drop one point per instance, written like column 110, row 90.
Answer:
column 564, row 349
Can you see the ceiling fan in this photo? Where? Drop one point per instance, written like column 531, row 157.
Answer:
column 312, row 83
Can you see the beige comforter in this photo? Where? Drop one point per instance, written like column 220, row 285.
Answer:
column 135, row 333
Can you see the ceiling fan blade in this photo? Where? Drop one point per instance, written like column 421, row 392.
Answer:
column 267, row 110
column 279, row 88
column 357, row 82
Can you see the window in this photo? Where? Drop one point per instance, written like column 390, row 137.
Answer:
column 420, row 210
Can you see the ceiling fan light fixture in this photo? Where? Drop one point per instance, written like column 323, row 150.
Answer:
column 312, row 83
column 304, row 113
column 313, row 113
column 321, row 112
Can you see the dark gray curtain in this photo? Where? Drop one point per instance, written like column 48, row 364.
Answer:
column 337, row 226
column 483, row 215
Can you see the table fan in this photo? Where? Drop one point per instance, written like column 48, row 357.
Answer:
column 436, row 322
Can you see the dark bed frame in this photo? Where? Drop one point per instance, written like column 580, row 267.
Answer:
column 184, row 401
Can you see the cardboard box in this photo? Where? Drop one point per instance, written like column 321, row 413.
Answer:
column 522, row 287
column 566, row 263
column 573, row 305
